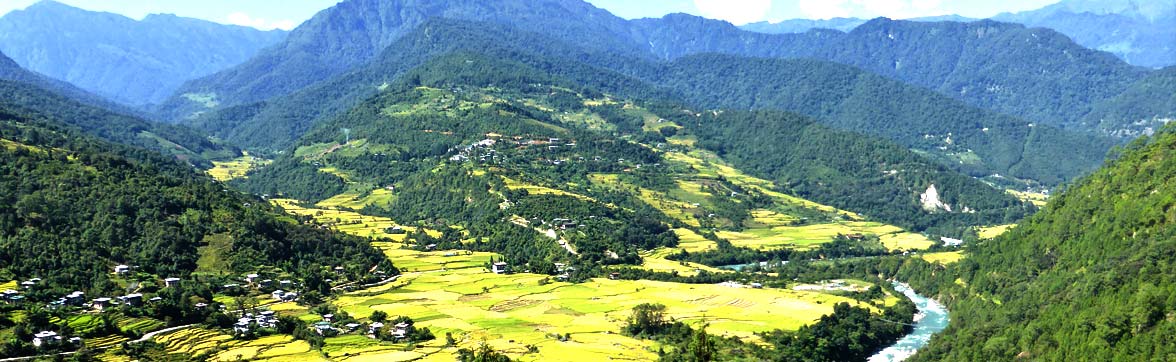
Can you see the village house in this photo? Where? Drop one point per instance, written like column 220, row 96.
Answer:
column 46, row 339
column 614, row 276
column 100, row 303
column 155, row 299
column 328, row 317
column 351, row 327
column 252, row 278
column 122, row 269
column 400, row 330
column 322, row 327
column 757, row 285
column 171, row 282
column 75, row 299
column 287, row 283
column 134, row 300
column 499, row 267
column 11, row 296
column 375, row 327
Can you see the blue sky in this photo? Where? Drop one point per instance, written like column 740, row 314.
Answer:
column 286, row 14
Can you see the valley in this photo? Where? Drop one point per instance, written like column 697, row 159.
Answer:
column 544, row 180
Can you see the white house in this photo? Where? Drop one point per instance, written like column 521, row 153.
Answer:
column 400, row 330
column 171, row 282
column 499, row 267
column 122, row 269
column 375, row 327
column 46, row 338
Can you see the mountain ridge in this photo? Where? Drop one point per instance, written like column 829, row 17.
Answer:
column 133, row 62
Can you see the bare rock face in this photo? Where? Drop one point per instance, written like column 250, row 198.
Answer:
column 931, row 202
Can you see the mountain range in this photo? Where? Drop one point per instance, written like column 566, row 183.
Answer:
column 133, row 62
column 534, row 165
column 1143, row 33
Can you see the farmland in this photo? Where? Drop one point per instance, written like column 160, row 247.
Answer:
column 453, row 292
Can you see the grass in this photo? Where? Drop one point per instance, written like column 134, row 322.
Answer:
column 235, row 168
column 355, row 201
column 540, row 190
column 456, row 294
column 213, row 254
column 1034, row 198
column 989, row 232
column 944, row 258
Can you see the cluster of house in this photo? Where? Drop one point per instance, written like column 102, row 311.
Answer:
column 264, row 319
column 45, row 339
column 326, row 326
column 15, row 296
column 734, row 284
column 474, row 150
column 282, row 293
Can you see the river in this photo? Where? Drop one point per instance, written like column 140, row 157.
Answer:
column 931, row 318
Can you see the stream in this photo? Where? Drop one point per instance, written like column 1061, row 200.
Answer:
column 931, row 318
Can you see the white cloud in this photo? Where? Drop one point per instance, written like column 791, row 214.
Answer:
column 243, row 19
column 737, row 12
column 895, row 9
column 825, row 9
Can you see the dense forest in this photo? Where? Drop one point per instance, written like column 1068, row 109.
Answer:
column 184, row 143
column 1089, row 277
column 79, row 206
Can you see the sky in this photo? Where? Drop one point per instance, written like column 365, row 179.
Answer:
column 287, row 14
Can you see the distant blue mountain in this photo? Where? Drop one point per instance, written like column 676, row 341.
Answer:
column 132, row 62
column 1141, row 33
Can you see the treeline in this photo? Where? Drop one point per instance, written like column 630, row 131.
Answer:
column 78, row 206
column 876, row 178
column 1090, row 277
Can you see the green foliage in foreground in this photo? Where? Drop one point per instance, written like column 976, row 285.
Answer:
column 77, row 206
column 849, row 334
column 1091, row 277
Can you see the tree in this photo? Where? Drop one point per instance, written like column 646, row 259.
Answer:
column 647, row 319
column 379, row 316
column 702, row 348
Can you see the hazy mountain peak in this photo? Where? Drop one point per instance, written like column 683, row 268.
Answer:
column 132, row 62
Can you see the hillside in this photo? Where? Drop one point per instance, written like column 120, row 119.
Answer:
column 1143, row 30
column 183, row 143
column 133, row 62
column 1139, row 110
column 840, row 183
column 351, row 33
column 79, row 206
column 1089, row 277
column 843, row 97
column 1035, row 74
column 1140, row 33
column 978, row 142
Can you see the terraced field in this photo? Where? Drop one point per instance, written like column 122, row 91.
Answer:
column 451, row 291
column 946, row 257
column 235, row 168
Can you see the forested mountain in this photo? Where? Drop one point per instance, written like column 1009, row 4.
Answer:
column 1143, row 31
column 979, row 142
column 1145, row 106
column 75, row 206
column 11, row 71
column 134, row 62
column 349, row 34
column 1034, row 74
column 1088, row 278
column 181, row 142
column 973, row 140
column 1037, row 74
column 1139, row 32
column 876, row 178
